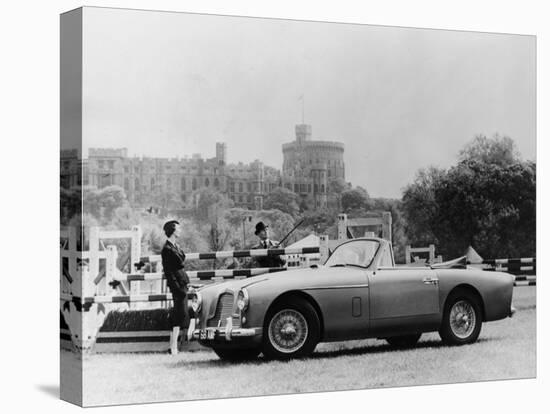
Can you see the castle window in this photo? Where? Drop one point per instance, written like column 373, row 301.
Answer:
column 216, row 182
column 126, row 170
column 296, row 188
column 111, row 164
column 194, row 183
column 152, row 183
column 240, row 189
column 182, row 185
column 126, row 184
column 248, row 187
column 168, row 182
column 232, row 187
column 136, row 184
column 249, row 198
column 315, row 188
column 328, row 172
column 101, row 164
column 206, row 182
column 322, row 188
column 309, row 188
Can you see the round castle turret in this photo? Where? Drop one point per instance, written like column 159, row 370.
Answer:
column 312, row 162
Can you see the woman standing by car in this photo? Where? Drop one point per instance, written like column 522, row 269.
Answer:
column 176, row 279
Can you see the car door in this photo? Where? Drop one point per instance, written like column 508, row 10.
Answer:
column 403, row 297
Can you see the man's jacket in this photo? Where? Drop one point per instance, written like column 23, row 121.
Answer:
column 269, row 261
column 172, row 264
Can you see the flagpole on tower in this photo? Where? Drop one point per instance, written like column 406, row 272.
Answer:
column 302, row 98
column 303, row 108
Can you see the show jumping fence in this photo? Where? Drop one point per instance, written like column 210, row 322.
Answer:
column 524, row 269
column 92, row 282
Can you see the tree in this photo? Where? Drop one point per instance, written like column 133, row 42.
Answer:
column 499, row 150
column 283, row 200
column 337, row 187
column 319, row 221
column 355, row 199
column 487, row 200
column 102, row 203
column 419, row 206
column 398, row 234
column 70, row 204
column 488, row 206
column 209, row 203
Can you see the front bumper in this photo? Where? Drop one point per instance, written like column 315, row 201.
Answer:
column 225, row 333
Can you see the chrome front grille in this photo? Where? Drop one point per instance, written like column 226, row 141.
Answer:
column 224, row 310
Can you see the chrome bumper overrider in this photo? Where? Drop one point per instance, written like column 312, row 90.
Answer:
column 227, row 332
column 512, row 311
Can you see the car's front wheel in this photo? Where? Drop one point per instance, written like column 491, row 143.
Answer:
column 462, row 319
column 292, row 330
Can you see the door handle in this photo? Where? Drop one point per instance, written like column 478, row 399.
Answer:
column 430, row 281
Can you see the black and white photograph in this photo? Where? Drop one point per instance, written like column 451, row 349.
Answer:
column 256, row 206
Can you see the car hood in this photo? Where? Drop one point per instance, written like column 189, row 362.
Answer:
column 296, row 278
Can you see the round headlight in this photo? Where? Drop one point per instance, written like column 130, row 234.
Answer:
column 196, row 302
column 242, row 300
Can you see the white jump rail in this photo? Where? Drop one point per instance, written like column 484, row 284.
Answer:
column 201, row 274
column 235, row 254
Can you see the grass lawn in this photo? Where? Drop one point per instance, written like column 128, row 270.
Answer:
column 506, row 349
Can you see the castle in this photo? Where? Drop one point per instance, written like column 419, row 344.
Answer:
column 309, row 168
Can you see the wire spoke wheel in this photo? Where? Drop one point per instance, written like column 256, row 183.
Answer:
column 462, row 319
column 288, row 331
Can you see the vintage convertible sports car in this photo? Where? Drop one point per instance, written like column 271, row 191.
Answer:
column 358, row 293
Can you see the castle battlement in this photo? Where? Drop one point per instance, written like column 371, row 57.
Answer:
column 308, row 167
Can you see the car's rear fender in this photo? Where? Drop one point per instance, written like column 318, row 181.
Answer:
column 494, row 288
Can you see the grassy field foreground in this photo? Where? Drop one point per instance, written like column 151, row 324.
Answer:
column 506, row 349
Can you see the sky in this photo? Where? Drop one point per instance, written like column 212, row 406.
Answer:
column 169, row 84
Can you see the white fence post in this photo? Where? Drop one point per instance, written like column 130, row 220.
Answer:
column 93, row 249
column 386, row 225
column 110, row 268
column 342, row 226
column 135, row 252
column 323, row 248
column 73, row 257
column 408, row 254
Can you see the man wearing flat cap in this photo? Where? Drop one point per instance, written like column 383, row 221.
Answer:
column 262, row 231
column 176, row 279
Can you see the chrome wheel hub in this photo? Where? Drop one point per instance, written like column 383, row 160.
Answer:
column 288, row 330
column 462, row 319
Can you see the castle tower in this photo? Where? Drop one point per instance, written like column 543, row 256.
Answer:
column 221, row 153
column 303, row 133
column 319, row 177
column 312, row 164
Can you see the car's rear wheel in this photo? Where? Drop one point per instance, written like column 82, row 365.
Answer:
column 403, row 341
column 462, row 318
column 291, row 330
column 230, row 354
